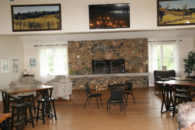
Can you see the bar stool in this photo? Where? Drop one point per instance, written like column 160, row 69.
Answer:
column 52, row 101
column 29, row 97
column 20, row 111
column 41, row 109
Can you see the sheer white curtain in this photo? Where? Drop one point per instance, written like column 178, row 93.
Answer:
column 53, row 61
column 153, row 59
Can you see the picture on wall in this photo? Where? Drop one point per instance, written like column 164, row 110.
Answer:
column 32, row 62
column 4, row 63
column 109, row 16
column 36, row 17
column 176, row 12
column 15, row 65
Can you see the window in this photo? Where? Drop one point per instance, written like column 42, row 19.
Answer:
column 165, row 56
column 53, row 61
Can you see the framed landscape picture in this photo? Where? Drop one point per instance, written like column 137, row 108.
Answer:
column 176, row 12
column 36, row 17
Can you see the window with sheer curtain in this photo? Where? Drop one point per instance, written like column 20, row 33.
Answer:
column 53, row 61
column 163, row 55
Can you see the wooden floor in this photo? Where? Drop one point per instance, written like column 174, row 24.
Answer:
column 144, row 115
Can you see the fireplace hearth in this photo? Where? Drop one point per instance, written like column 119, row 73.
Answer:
column 108, row 66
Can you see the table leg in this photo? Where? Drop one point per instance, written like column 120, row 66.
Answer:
column 162, row 88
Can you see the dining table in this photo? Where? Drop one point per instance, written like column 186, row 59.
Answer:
column 44, row 90
column 167, row 88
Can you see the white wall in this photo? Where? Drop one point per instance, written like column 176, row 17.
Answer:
column 75, row 15
column 11, row 48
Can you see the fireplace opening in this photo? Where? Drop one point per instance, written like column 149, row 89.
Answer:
column 108, row 66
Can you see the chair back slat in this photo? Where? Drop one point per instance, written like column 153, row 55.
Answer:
column 116, row 94
column 129, row 86
column 87, row 89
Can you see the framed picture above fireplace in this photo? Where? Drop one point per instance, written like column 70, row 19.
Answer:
column 109, row 16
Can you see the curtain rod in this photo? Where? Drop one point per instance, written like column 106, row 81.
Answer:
column 165, row 41
column 50, row 45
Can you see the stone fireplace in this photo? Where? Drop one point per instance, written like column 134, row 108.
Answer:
column 104, row 61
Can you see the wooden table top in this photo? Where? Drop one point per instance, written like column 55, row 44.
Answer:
column 4, row 116
column 27, row 88
column 178, row 83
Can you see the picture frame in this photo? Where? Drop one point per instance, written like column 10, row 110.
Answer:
column 109, row 16
column 32, row 62
column 42, row 17
column 15, row 65
column 4, row 64
column 175, row 12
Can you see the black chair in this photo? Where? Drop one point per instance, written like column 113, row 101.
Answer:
column 20, row 112
column 116, row 97
column 181, row 95
column 8, row 99
column 128, row 91
column 160, row 75
column 90, row 95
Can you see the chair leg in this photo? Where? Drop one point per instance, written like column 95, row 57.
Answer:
column 126, row 99
column 101, row 100
column 43, row 112
column 31, row 117
column 124, row 108
column 174, row 105
column 12, row 119
column 86, row 102
column 38, row 111
column 33, row 102
column 54, row 109
column 89, row 101
column 50, row 109
column 133, row 98
column 25, row 117
column 97, row 102
column 107, row 106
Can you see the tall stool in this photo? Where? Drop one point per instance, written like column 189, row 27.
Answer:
column 29, row 97
column 20, row 111
column 41, row 109
column 52, row 101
